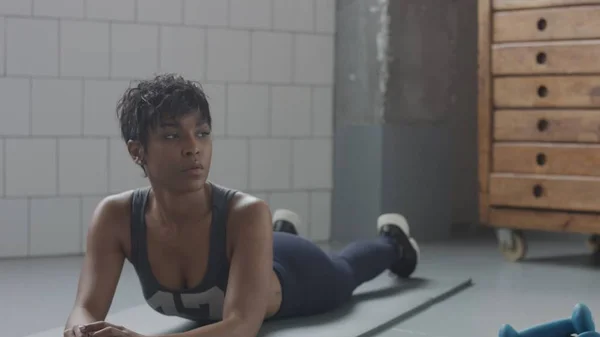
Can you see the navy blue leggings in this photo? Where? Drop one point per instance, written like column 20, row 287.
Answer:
column 314, row 281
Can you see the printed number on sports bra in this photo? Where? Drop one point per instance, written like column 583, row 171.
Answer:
column 212, row 298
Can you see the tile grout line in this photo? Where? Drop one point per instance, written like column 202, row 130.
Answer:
column 4, row 179
column 270, row 110
column 225, row 112
column 83, row 91
column 134, row 78
column 205, row 51
column 5, row 51
column 310, row 217
column 57, row 165
column 81, row 244
column 291, row 182
column 169, row 24
column 313, row 114
column 30, row 108
column 28, row 216
column 249, row 163
column 272, row 16
column 59, row 42
column 118, row 136
column 104, row 194
column 159, row 41
column 250, row 58
column 108, row 189
column 293, row 81
column 315, row 13
column 228, row 4
column 183, row 2
column 110, row 50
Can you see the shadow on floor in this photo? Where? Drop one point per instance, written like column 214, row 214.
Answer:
column 586, row 261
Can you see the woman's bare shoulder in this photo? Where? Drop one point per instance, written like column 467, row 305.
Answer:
column 243, row 200
column 111, row 216
column 114, row 206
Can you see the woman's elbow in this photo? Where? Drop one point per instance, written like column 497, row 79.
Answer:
column 245, row 325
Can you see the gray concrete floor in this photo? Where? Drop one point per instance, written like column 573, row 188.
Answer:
column 37, row 294
column 558, row 274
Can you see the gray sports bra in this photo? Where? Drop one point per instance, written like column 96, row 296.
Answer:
column 204, row 302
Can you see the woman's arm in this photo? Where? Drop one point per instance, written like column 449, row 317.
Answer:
column 250, row 273
column 102, row 265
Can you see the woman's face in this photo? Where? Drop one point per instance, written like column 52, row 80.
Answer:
column 178, row 153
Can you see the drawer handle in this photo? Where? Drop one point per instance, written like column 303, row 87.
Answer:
column 538, row 190
column 541, row 58
column 542, row 91
column 541, row 159
column 542, row 125
column 541, row 24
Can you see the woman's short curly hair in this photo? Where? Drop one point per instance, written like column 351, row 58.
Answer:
column 163, row 97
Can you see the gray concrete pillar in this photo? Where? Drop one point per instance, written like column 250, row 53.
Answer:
column 405, row 118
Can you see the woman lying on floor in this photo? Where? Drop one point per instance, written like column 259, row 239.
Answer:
column 205, row 252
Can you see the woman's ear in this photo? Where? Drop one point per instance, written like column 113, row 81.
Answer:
column 136, row 151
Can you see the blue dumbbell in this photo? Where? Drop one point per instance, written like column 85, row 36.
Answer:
column 580, row 323
column 589, row 334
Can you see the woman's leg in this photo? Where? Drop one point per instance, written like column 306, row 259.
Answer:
column 314, row 282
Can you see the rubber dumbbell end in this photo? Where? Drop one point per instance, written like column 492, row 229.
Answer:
column 558, row 328
column 508, row 331
column 582, row 319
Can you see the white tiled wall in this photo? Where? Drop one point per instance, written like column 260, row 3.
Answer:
column 267, row 66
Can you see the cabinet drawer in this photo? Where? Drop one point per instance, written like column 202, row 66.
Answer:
column 548, row 192
column 581, row 126
column 559, row 159
column 516, row 4
column 547, row 91
column 546, row 58
column 580, row 22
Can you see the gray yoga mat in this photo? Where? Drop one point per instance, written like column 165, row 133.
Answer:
column 377, row 305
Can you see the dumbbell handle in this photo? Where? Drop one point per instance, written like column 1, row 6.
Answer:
column 560, row 328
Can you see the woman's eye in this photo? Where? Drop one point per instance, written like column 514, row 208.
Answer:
column 200, row 134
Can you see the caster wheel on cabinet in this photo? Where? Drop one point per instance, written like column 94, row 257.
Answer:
column 593, row 243
column 512, row 245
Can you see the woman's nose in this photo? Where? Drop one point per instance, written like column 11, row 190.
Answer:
column 191, row 151
column 191, row 146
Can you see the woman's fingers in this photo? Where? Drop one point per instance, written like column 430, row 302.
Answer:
column 74, row 332
column 108, row 332
column 97, row 326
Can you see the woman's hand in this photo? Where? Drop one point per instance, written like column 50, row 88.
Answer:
column 74, row 332
column 105, row 329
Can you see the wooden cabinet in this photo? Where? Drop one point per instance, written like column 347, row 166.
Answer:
column 546, row 24
column 539, row 118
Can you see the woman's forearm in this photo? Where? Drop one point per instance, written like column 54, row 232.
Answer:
column 231, row 327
